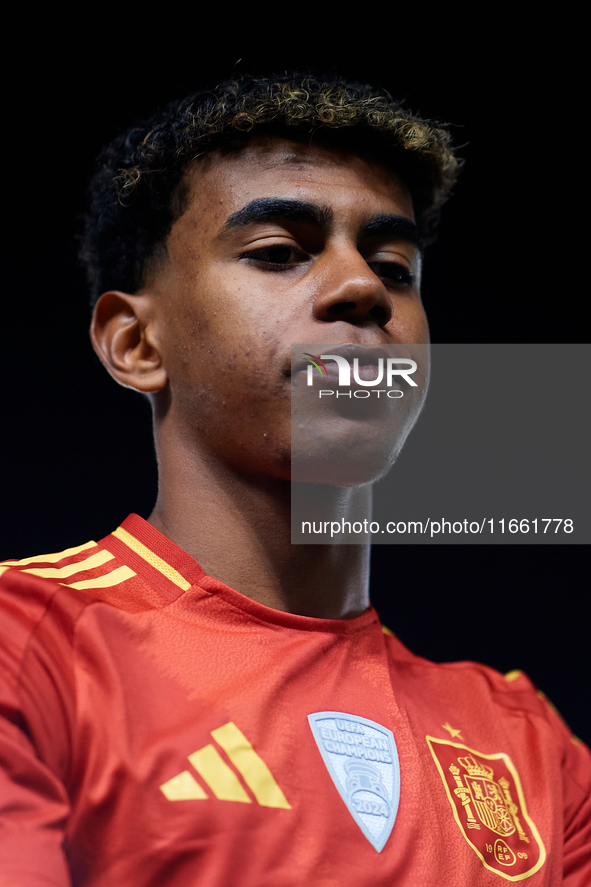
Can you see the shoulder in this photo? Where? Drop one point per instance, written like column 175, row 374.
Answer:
column 104, row 572
column 482, row 693
column 45, row 599
column 29, row 586
column 84, row 567
column 43, row 596
column 41, row 600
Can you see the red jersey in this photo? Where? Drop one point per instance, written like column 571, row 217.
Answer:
column 159, row 728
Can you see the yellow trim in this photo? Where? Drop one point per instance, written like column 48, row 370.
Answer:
column 509, row 764
column 50, row 558
column 95, row 560
column 222, row 781
column 255, row 772
column 550, row 704
column 183, row 787
column 513, row 675
column 152, row 558
column 107, row 581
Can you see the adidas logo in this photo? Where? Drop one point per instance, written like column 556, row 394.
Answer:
column 221, row 779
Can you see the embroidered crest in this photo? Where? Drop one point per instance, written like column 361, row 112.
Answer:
column 488, row 804
column 362, row 760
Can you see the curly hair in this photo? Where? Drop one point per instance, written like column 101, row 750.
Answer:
column 137, row 191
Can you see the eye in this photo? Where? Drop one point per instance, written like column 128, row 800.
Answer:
column 392, row 273
column 277, row 258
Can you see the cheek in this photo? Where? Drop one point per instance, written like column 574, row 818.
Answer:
column 225, row 339
column 409, row 322
column 221, row 364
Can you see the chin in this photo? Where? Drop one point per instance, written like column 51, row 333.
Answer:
column 347, row 453
column 343, row 468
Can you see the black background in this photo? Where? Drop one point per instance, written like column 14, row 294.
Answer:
column 76, row 450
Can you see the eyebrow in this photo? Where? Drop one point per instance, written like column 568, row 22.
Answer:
column 267, row 209
column 390, row 225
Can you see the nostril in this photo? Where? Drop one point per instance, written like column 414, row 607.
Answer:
column 342, row 308
column 379, row 314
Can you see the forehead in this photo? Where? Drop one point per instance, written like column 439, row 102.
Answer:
column 222, row 182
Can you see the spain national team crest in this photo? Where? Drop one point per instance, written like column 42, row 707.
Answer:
column 362, row 759
column 488, row 804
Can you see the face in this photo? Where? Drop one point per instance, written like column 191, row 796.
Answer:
column 281, row 243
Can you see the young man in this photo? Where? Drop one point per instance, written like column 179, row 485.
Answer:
column 193, row 699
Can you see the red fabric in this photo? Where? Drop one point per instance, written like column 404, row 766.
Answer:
column 105, row 693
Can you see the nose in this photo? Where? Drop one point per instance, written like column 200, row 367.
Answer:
column 350, row 291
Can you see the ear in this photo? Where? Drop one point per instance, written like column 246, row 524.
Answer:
column 126, row 341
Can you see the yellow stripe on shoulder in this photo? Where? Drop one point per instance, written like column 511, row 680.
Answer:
column 49, row 558
column 90, row 563
column 173, row 575
column 513, row 675
column 106, row 581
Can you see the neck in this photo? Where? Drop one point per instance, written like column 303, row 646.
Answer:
column 239, row 530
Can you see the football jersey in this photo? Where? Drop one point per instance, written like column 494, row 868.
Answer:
column 159, row 728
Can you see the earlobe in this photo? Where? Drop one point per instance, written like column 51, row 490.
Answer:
column 126, row 342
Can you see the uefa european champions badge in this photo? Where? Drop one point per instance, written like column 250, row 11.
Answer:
column 362, row 759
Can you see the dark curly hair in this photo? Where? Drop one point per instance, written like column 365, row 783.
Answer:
column 137, row 192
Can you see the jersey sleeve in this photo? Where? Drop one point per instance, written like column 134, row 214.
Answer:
column 33, row 800
column 576, row 771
